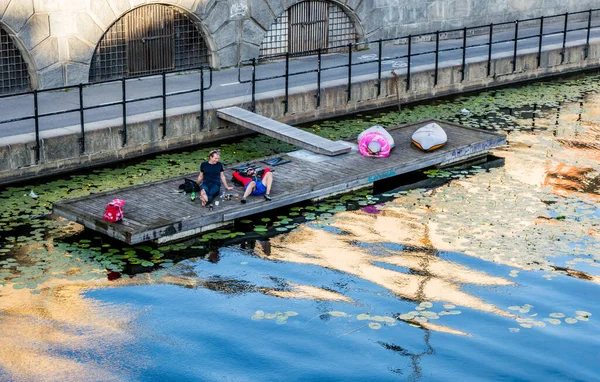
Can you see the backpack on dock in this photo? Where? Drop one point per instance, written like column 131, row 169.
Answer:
column 114, row 210
column 189, row 185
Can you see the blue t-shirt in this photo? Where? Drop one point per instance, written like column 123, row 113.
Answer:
column 212, row 173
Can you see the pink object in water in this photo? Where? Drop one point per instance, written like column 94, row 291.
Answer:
column 374, row 144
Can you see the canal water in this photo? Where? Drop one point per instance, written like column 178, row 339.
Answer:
column 479, row 273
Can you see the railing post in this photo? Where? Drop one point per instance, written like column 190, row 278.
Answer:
column 437, row 57
column 408, row 62
column 202, row 99
column 319, row 78
column 564, row 42
column 490, row 42
column 287, row 82
column 124, row 102
column 380, row 43
column 587, row 39
column 539, row 55
column 81, row 121
column 516, row 46
column 464, row 55
column 36, row 114
column 253, row 105
column 164, row 105
column 349, row 89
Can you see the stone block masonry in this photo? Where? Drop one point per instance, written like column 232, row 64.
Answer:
column 57, row 39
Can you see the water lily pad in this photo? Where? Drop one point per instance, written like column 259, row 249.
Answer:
column 258, row 315
column 338, row 314
column 571, row 320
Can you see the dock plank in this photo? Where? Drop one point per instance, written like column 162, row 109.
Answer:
column 154, row 212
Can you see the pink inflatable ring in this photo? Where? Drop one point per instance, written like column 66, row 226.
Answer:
column 374, row 144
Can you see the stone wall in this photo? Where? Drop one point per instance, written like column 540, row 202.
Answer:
column 58, row 37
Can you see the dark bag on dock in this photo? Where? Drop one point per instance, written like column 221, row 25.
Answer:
column 188, row 186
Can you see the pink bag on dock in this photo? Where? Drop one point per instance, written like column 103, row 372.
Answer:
column 114, row 210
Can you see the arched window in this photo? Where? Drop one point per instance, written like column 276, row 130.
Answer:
column 309, row 25
column 149, row 39
column 13, row 69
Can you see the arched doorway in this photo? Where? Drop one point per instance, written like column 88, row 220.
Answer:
column 149, row 39
column 309, row 25
column 14, row 75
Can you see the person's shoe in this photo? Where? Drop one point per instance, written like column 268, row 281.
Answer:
column 267, row 196
column 243, row 200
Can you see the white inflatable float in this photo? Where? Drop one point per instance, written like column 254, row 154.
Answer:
column 429, row 137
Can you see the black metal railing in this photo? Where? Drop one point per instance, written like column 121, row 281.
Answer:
column 123, row 102
column 484, row 36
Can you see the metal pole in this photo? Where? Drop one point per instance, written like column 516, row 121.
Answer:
column 319, row 78
column 515, row 45
column 253, row 106
column 164, row 104
column 490, row 42
column 380, row 43
column 287, row 81
column 349, row 72
column 437, row 58
column 37, row 126
column 587, row 39
column 564, row 43
column 201, row 99
column 81, row 121
column 464, row 55
column 124, row 92
column 408, row 63
column 539, row 55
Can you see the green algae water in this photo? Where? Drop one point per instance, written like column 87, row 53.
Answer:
column 479, row 273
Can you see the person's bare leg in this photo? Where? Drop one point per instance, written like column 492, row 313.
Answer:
column 268, row 181
column 248, row 191
column 203, row 197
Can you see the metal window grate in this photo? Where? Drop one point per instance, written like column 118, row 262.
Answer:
column 276, row 38
column 341, row 28
column 14, row 76
column 309, row 25
column 190, row 48
column 149, row 39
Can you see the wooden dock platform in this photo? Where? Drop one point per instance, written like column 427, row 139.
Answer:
column 281, row 131
column 155, row 213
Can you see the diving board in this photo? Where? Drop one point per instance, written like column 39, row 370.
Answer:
column 281, row 131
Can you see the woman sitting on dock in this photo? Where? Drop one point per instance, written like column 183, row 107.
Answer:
column 254, row 184
column 212, row 174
